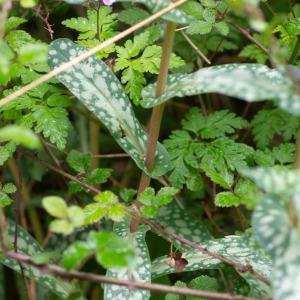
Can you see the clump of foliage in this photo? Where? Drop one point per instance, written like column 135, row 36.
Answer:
column 136, row 152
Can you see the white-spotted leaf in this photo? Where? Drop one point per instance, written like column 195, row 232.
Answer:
column 96, row 86
column 249, row 82
column 274, row 230
column 176, row 15
column 28, row 245
column 140, row 270
column 177, row 220
column 240, row 249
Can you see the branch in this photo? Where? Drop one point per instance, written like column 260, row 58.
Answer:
column 238, row 267
column 60, row 272
column 88, row 53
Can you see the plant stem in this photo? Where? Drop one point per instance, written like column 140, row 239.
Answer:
column 94, row 144
column 157, row 113
column 25, row 195
column 160, row 288
column 295, row 51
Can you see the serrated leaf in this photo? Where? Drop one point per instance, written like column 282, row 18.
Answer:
column 6, row 151
column 55, row 206
column 99, row 89
column 200, row 27
column 133, row 15
column 13, row 22
column 53, row 122
column 227, row 199
column 140, row 269
column 250, row 82
column 94, row 213
column 268, row 123
column 29, row 246
column 78, row 161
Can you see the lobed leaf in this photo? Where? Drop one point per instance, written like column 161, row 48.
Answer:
column 250, row 82
column 98, row 88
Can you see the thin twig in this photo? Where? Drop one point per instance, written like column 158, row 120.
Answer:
column 89, row 53
column 238, row 267
column 195, row 48
column 130, row 284
column 241, row 268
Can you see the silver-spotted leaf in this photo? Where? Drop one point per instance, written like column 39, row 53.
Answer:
column 250, row 82
column 176, row 15
column 140, row 270
column 177, row 220
column 279, row 181
column 240, row 249
column 96, row 86
column 28, row 245
column 274, row 230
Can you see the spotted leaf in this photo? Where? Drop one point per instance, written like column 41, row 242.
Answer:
column 28, row 245
column 96, row 86
column 274, row 230
column 177, row 220
column 279, row 180
column 176, row 15
column 250, row 82
column 240, row 249
column 140, row 270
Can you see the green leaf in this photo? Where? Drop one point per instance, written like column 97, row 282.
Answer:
column 105, row 97
column 140, row 267
column 111, row 249
column 53, row 123
column 19, row 135
column 106, row 197
column 7, row 151
column 98, row 176
column 268, row 123
column 75, row 254
column 165, row 196
column 9, row 188
column 117, row 212
column 250, row 82
column 149, row 211
column 55, row 206
column 227, row 199
column 13, row 22
column 94, row 213
column 209, row 15
column 76, row 215
column 29, row 246
column 5, row 200
column 147, row 196
column 200, row 27
column 222, row 27
column 216, row 124
column 78, row 161
column 33, row 53
column 203, row 283
column 61, row 226
column 28, row 3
